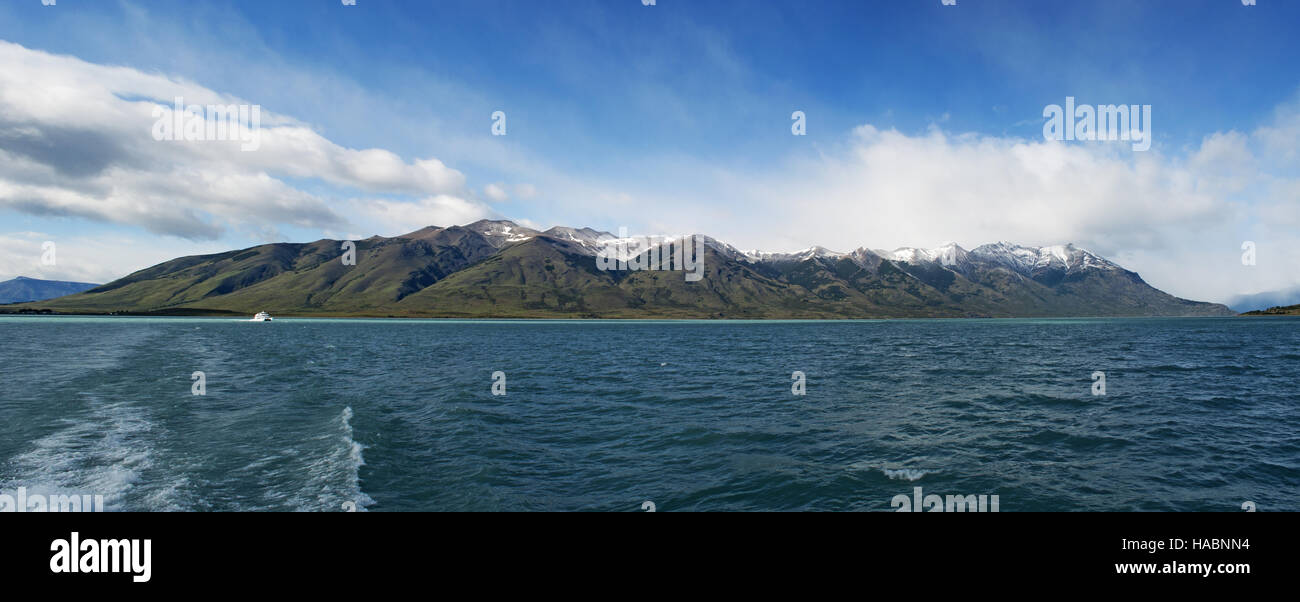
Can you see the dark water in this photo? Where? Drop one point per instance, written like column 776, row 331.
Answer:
column 1199, row 414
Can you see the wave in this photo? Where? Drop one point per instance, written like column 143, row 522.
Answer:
column 338, row 475
column 103, row 453
column 355, row 461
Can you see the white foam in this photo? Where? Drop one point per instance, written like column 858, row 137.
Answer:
column 338, row 476
column 100, row 454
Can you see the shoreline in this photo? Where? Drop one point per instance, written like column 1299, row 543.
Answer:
column 651, row 318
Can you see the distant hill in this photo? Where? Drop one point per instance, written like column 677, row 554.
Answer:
column 1292, row 310
column 22, row 289
column 500, row 269
column 1263, row 301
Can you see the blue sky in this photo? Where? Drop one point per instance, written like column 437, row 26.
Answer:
column 676, row 117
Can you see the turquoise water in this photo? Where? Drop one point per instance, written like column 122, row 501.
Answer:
column 391, row 415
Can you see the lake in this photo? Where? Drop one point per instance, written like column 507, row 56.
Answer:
column 400, row 415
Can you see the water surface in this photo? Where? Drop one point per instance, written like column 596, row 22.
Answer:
column 309, row 414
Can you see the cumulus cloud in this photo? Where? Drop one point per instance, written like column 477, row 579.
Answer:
column 888, row 189
column 1179, row 220
column 77, row 139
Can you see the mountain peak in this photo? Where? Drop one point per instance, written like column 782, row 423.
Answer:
column 949, row 253
column 501, row 232
column 1027, row 260
column 813, row 252
column 422, row 233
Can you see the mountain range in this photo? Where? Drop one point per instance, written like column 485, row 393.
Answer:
column 22, row 289
column 497, row 268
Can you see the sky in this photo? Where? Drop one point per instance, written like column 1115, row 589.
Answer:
column 923, row 124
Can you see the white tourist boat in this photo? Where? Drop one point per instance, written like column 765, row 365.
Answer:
column 261, row 316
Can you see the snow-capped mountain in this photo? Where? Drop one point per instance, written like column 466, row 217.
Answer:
column 591, row 240
column 809, row 253
column 501, row 232
column 497, row 268
column 1024, row 260
column 946, row 254
column 1049, row 265
column 1028, row 261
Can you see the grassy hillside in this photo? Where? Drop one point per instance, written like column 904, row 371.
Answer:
column 495, row 271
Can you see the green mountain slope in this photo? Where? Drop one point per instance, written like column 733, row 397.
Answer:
column 499, row 269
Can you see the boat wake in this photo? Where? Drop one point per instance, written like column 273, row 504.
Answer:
column 337, row 477
column 105, row 453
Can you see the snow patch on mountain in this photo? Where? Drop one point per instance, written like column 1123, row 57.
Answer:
column 589, row 240
column 502, row 232
column 949, row 253
column 1028, row 260
column 803, row 255
column 1024, row 260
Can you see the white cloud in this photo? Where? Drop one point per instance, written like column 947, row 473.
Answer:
column 1279, row 137
column 77, row 139
column 1179, row 221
